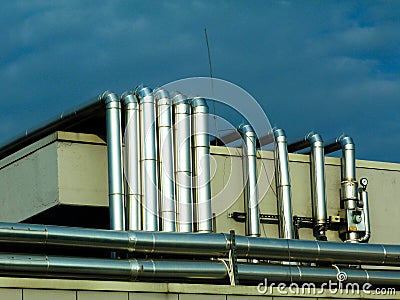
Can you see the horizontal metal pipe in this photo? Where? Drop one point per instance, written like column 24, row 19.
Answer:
column 176, row 271
column 199, row 244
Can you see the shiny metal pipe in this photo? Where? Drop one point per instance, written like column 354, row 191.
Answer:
column 317, row 167
column 114, row 150
column 132, row 162
column 183, row 164
column 166, row 161
column 148, row 158
column 283, row 189
column 177, row 271
column 199, row 244
column 129, row 270
column 201, row 164
column 364, row 199
column 250, row 170
column 349, row 184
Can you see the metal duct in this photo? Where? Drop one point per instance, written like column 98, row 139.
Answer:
column 132, row 161
column 148, row 158
column 250, row 171
column 201, row 164
column 183, row 165
column 283, row 189
column 199, row 244
column 178, row 271
column 317, row 165
column 114, row 149
column 349, row 185
column 166, row 161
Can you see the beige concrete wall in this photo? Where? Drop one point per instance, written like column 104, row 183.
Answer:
column 29, row 181
column 71, row 169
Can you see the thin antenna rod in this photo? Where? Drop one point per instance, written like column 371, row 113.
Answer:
column 212, row 83
column 209, row 54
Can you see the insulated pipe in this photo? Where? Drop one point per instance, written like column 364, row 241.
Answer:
column 250, row 171
column 317, row 165
column 178, row 271
column 282, row 179
column 183, row 164
column 166, row 160
column 349, row 186
column 114, row 149
column 148, row 158
column 199, row 244
column 365, row 201
column 201, row 164
column 132, row 161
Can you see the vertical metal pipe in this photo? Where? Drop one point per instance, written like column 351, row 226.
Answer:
column 148, row 158
column 114, row 149
column 364, row 200
column 317, row 167
column 201, row 164
column 317, row 163
column 183, row 175
column 349, row 186
column 166, row 161
column 251, row 194
column 132, row 161
column 283, row 188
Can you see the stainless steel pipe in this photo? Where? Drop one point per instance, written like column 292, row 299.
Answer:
column 250, row 172
column 166, row 161
column 183, row 164
column 349, row 184
column 114, row 150
column 199, row 244
column 148, row 158
column 317, row 165
column 178, row 271
column 201, row 164
column 283, row 188
column 132, row 162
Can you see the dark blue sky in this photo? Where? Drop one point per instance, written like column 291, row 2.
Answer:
column 328, row 66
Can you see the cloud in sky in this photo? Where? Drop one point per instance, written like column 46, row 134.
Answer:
column 329, row 66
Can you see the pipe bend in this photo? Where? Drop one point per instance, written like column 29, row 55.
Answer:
column 128, row 97
column 109, row 98
column 142, row 91
column 278, row 132
column 346, row 142
column 314, row 138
